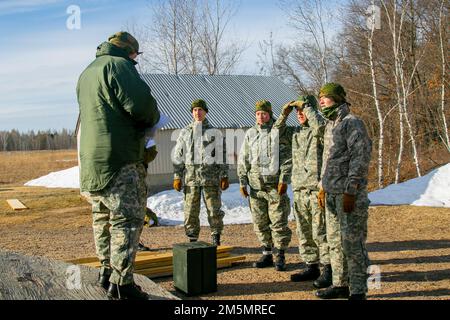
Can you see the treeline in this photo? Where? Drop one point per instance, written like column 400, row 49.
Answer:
column 392, row 58
column 41, row 140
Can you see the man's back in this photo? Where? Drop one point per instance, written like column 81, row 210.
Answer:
column 115, row 107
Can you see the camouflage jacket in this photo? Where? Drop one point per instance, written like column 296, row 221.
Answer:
column 264, row 158
column 347, row 152
column 195, row 156
column 307, row 149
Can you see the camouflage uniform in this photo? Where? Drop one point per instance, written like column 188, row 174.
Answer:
column 202, row 163
column 118, row 218
column 347, row 152
column 262, row 169
column 307, row 148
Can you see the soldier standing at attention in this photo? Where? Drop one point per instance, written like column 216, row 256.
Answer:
column 264, row 165
column 347, row 152
column 307, row 149
column 202, row 173
column 115, row 108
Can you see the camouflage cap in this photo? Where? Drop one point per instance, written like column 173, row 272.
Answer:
column 125, row 41
column 264, row 105
column 334, row 91
column 199, row 103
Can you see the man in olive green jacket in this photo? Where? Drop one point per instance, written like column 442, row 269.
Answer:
column 116, row 106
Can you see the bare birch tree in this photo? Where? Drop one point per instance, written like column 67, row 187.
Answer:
column 445, row 137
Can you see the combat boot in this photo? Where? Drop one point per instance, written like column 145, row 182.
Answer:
column 266, row 259
column 142, row 247
column 326, row 278
column 216, row 240
column 126, row 292
column 103, row 280
column 333, row 292
column 311, row 272
column 280, row 262
column 360, row 296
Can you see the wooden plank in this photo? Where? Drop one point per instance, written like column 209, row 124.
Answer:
column 15, row 204
column 39, row 278
column 140, row 256
column 150, row 264
column 165, row 271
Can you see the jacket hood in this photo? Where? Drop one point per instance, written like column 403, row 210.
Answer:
column 108, row 49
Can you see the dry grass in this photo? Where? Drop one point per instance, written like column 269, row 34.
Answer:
column 19, row 167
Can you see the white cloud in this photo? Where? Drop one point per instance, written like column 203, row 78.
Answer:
column 20, row 6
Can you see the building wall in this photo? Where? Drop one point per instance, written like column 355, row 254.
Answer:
column 160, row 171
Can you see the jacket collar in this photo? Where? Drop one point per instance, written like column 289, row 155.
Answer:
column 108, row 49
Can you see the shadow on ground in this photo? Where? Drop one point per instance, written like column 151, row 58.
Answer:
column 412, row 294
column 408, row 245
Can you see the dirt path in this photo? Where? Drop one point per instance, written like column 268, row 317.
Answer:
column 410, row 245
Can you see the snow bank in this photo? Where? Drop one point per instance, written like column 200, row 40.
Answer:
column 432, row 190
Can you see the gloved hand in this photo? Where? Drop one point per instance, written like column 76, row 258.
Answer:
column 321, row 198
column 244, row 192
column 282, row 188
column 177, row 184
column 224, row 184
column 150, row 215
column 150, row 154
column 349, row 202
column 287, row 108
column 299, row 105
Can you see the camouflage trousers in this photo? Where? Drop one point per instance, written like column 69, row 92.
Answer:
column 270, row 213
column 213, row 202
column 118, row 217
column 346, row 235
column 311, row 228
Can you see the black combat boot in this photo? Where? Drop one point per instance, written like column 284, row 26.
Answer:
column 266, row 259
column 280, row 261
column 216, row 240
column 360, row 296
column 103, row 280
column 142, row 247
column 333, row 292
column 326, row 279
column 311, row 272
column 126, row 292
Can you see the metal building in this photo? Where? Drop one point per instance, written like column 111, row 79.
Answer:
column 231, row 102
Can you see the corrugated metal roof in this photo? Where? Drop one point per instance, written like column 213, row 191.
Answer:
column 230, row 99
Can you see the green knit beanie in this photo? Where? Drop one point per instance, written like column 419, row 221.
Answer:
column 334, row 91
column 264, row 105
column 199, row 103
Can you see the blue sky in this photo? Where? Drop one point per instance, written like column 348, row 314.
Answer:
column 42, row 59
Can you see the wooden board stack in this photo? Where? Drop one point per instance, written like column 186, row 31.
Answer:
column 155, row 265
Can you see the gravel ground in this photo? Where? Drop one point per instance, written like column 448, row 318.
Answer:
column 410, row 245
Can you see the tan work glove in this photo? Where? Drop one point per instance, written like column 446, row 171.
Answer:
column 287, row 108
column 321, row 198
column 349, row 202
column 224, row 184
column 244, row 192
column 282, row 188
column 177, row 184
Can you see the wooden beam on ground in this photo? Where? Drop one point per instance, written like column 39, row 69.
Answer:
column 89, row 260
column 15, row 204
